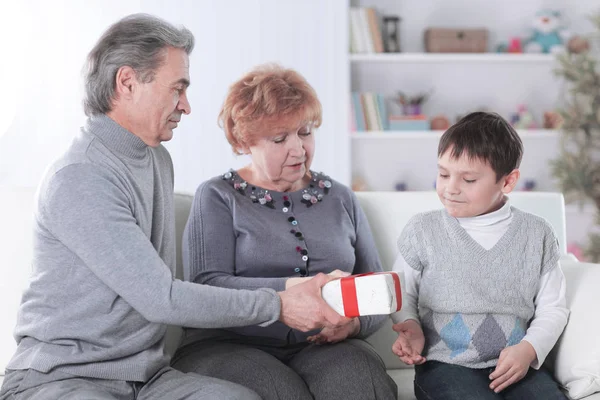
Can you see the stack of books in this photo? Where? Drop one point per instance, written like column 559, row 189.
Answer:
column 365, row 31
column 368, row 112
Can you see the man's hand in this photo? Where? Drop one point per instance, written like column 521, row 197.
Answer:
column 303, row 308
column 410, row 342
column 512, row 366
column 337, row 333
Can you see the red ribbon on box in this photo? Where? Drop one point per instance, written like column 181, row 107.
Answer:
column 349, row 296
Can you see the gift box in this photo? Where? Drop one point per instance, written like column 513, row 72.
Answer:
column 364, row 294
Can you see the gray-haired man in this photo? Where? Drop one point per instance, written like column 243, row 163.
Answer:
column 92, row 322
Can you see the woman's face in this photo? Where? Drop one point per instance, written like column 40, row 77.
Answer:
column 282, row 156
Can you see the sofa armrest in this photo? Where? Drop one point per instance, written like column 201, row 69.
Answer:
column 574, row 359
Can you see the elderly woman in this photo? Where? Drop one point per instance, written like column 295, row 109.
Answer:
column 275, row 223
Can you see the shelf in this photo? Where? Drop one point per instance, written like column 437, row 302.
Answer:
column 525, row 134
column 453, row 57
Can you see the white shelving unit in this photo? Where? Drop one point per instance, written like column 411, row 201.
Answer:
column 460, row 83
column 452, row 57
column 430, row 135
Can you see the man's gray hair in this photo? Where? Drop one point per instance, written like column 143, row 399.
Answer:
column 137, row 41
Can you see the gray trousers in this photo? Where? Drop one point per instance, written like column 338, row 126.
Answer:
column 347, row 370
column 166, row 384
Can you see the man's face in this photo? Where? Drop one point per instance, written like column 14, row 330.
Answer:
column 158, row 105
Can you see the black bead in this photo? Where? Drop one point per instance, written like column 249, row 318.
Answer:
column 298, row 234
column 304, row 252
column 286, row 203
column 291, row 219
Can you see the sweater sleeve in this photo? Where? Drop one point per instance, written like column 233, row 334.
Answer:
column 367, row 260
column 88, row 210
column 209, row 245
column 551, row 314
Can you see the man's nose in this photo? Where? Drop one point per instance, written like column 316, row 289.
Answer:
column 184, row 104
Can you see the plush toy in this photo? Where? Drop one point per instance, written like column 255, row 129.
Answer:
column 552, row 120
column 523, row 119
column 548, row 34
column 578, row 44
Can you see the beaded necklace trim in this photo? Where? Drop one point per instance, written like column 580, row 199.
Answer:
column 315, row 192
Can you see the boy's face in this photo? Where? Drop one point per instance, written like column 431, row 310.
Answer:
column 468, row 188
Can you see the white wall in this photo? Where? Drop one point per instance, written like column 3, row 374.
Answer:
column 232, row 36
column 46, row 46
column 41, row 110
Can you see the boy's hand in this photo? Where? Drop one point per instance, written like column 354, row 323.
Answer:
column 410, row 342
column 337, row 333
column 512, row 366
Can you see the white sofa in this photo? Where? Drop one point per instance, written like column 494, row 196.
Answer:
column 576, row 359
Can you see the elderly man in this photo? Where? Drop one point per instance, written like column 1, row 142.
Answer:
column 92, row 322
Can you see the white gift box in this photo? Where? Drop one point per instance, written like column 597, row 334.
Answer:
column 364, row 294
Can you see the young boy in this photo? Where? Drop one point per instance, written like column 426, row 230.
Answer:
column 484, row 291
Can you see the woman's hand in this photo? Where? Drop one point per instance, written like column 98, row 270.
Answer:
column 512, row 366
column 336, row 334
column 336, row 273
column 295, row 281
column 410, row 342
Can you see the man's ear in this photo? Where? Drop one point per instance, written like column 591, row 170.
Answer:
column 126, row 80
column 510, row 181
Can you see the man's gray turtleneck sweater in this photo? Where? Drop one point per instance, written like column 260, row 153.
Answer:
column 102, row 289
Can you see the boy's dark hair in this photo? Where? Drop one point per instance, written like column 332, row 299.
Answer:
column 485, row 136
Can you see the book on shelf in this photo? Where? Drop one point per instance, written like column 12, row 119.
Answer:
column 365, row 31
column 369, row 112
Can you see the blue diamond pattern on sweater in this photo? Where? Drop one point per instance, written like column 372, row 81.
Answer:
column 489, row 339
column 456, row 335
column 517, row 333
column 431, row 336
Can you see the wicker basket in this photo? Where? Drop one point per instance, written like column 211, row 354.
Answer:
column 446, row 40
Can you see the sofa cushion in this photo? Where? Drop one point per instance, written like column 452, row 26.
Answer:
column 388, row 212
column 577, row 353
column 404, row 378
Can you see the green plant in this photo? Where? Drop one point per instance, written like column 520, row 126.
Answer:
column 577, row 168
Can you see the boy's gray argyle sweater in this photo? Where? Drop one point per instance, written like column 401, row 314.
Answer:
column 475, row 302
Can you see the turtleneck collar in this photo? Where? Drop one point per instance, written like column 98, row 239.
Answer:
column 495, row 217
column 115, row 137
